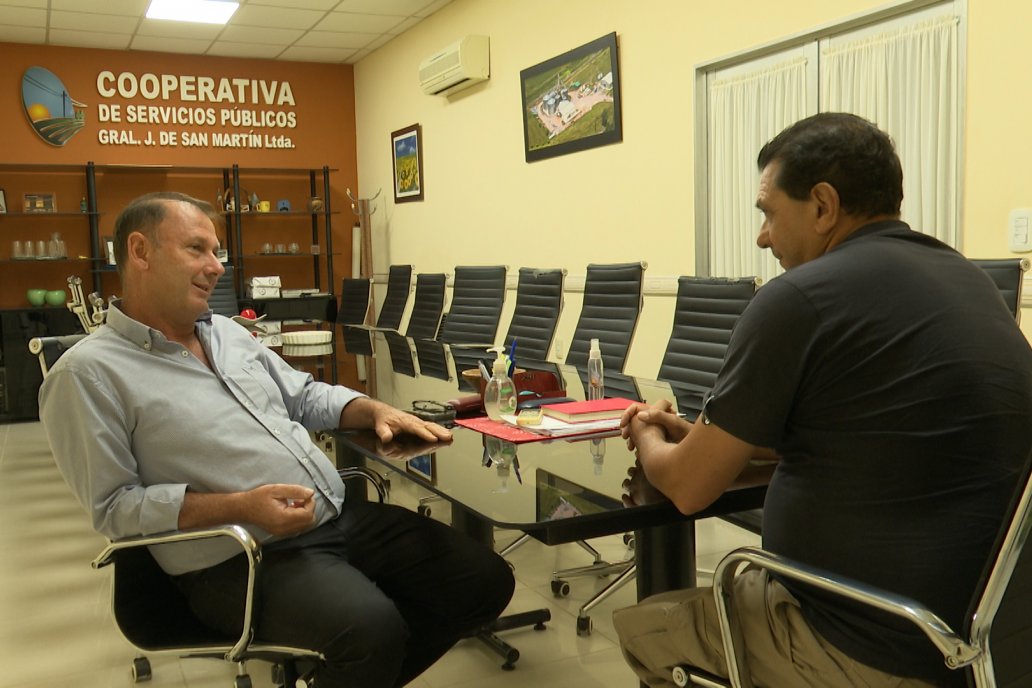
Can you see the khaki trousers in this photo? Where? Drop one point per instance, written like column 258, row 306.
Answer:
column 681, row 627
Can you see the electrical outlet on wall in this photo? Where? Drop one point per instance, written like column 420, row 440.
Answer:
column 1019, row 230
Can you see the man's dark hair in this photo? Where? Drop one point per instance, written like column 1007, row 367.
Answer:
column 145, row 213
column 844, row 150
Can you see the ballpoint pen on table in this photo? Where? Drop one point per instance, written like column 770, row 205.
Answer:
column 512, row 357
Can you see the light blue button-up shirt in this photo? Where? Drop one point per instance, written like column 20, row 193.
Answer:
column 135, row 419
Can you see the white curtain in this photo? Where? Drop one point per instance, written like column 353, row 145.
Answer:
column 906, row 81
column 746, row 111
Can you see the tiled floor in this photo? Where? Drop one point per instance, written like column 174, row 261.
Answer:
column 55, row 626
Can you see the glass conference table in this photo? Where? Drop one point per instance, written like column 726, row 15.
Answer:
column 556, row 490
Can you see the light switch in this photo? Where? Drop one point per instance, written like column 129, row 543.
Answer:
column 1019, row 230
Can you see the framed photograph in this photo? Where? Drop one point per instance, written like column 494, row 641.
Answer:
column 572, row 101
column 407, row 152
column 40, row 202
column 3, row 201
column 423, row 466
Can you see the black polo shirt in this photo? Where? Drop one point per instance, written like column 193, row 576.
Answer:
column 894, row 382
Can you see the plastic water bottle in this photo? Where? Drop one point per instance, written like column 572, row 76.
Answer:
column 596, row 374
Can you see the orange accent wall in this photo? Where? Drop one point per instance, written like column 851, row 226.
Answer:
column 324, row 96
column 324, row 135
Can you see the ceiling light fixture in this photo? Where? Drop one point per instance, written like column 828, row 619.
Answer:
column 200, row 11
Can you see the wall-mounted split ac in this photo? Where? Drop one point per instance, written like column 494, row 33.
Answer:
column 457, row 66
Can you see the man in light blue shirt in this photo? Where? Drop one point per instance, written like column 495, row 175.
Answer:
column 170, row 417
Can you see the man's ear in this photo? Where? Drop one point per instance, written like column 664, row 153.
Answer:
column 826, row 201
column 138, row 250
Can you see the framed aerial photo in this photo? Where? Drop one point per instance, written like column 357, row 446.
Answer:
column 572, row 101
column 407, row 151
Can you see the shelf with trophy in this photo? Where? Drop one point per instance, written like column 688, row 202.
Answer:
column 282, row 234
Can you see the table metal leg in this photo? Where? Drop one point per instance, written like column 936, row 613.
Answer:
column 665, row 558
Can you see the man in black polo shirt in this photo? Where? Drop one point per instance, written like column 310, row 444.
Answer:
column 888, row 377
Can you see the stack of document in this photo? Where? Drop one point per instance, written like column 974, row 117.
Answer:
column 553, row 427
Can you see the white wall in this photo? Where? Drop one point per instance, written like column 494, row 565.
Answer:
column 633, row 200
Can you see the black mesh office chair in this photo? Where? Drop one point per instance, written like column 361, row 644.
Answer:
column 427, row 306
column 399, row 281
column 609, row 313
column 539, row 300
column 476, row 306
column 1009, row 276
column 991, row 648
column 223, row 299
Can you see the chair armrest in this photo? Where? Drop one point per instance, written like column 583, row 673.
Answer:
column 956, row 652
column 372, row 476
column 250, row 547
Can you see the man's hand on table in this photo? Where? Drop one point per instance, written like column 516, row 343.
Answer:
column 389, row 422
column 408, row 447
column 658, row 421
column 638, row 490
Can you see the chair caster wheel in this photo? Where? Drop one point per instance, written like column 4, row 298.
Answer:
column 423, row 510
column 279, row 676
column 583, row 625
column 680, row 677
column 560, row 588
column 141, row 669
column 628, row 539
column 242, row 681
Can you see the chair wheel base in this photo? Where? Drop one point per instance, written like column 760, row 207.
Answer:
column 560, row 588
column 141, row 670
column 583, row 625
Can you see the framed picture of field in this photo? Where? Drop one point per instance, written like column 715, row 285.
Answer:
column 572, row 101
column 407, row 151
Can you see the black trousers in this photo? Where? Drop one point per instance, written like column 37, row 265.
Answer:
column 381, row 591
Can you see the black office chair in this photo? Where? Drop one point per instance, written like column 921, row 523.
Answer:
column 1009, row 275
column 151, row 611
column 401, row 353
column 155, row 617
column 223, row 299
column 427, row 306
column 992, row 648
column 539, row 300
column 476, row 306
column 611, row 306
column 354, row 301
column 354, row 306
column 432, row 358
column 399, row 281
column 706, row 311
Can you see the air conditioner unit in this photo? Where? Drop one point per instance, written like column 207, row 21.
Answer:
column 458, row 66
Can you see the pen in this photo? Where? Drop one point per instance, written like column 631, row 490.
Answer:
column 512, row 356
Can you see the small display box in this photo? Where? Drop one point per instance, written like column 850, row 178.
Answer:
column 40, row 203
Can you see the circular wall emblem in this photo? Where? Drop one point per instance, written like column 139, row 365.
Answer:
column 53, row 113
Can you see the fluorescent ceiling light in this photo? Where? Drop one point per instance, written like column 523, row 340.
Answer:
column 201, row 11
